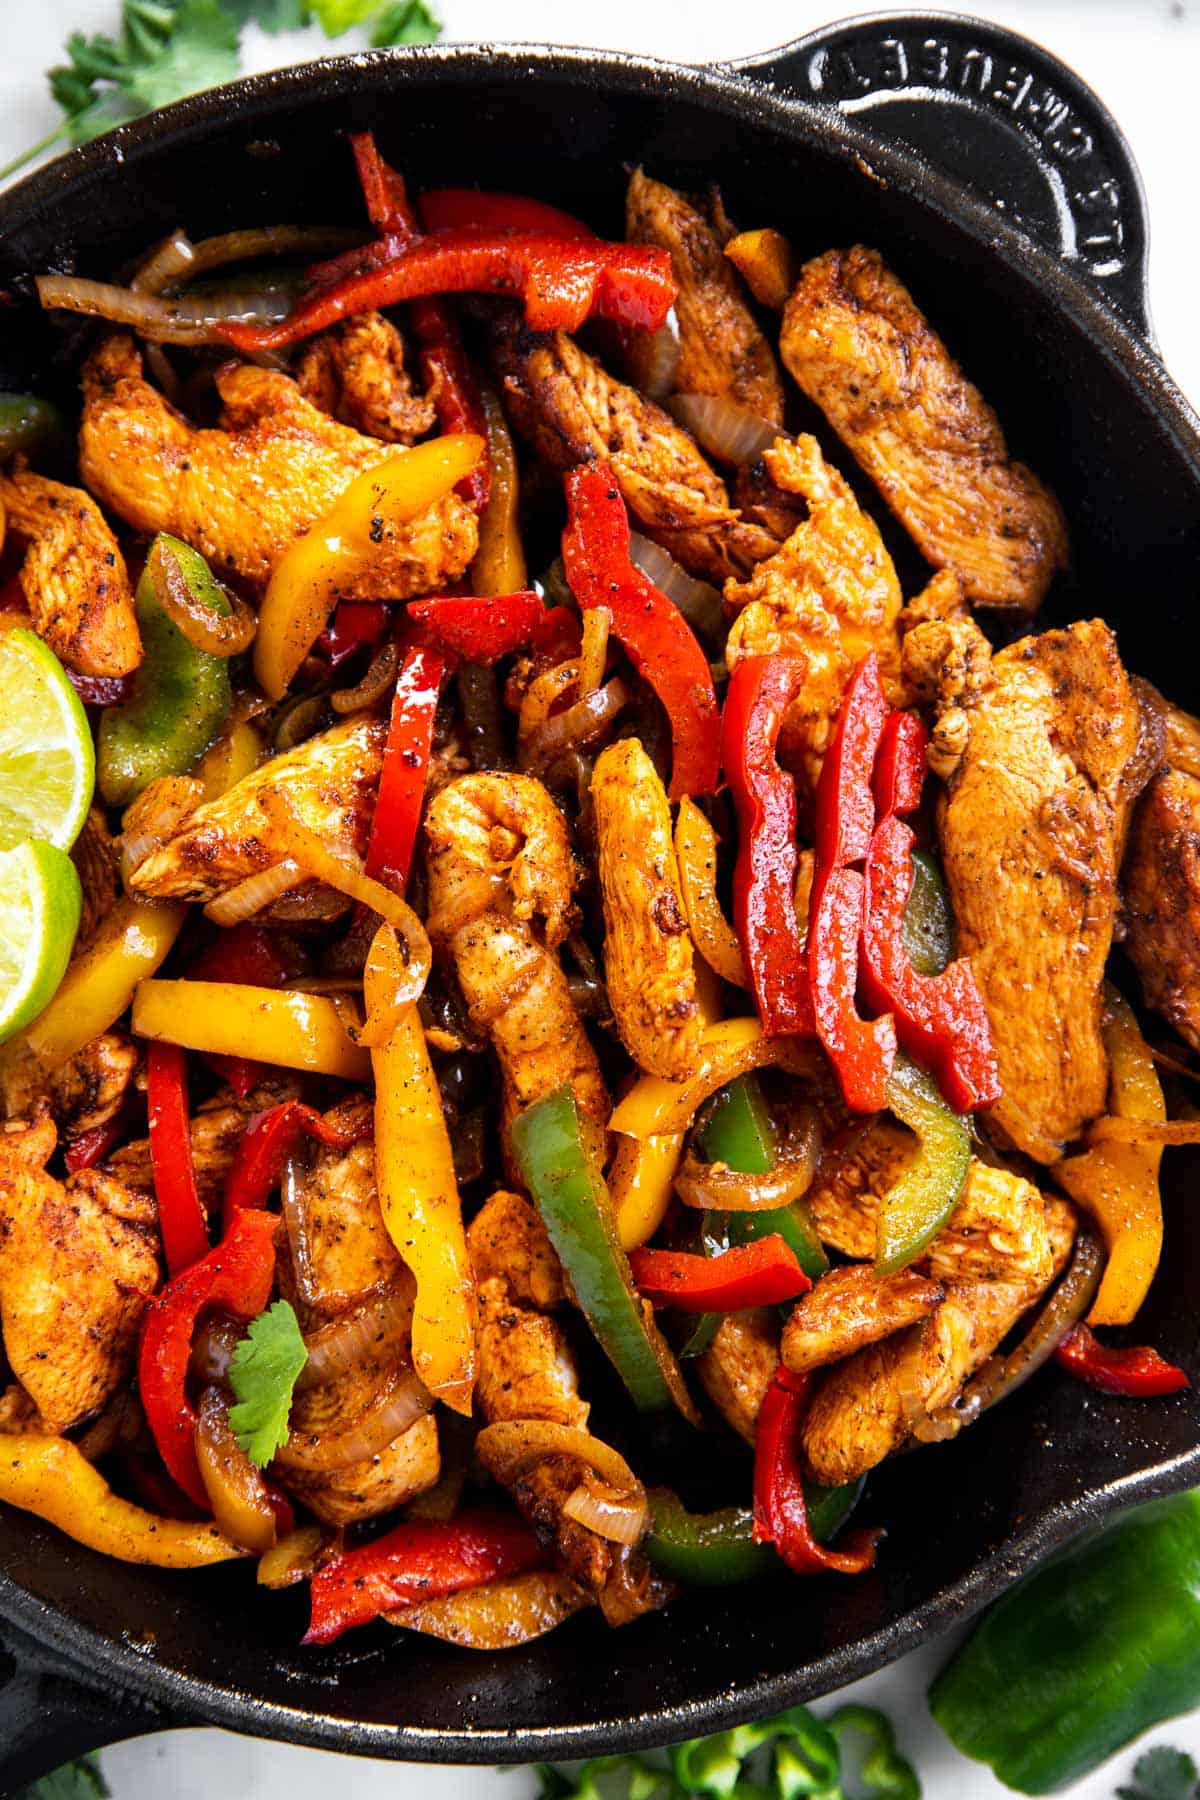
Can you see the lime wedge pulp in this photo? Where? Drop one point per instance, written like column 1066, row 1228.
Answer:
column 40, row 902
column 47, row 760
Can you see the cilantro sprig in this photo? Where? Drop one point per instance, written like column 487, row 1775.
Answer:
column 262, row 1373
column 166, row 49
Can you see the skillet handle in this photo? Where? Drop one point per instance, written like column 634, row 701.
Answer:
column 50, row 1715
column 999, row 112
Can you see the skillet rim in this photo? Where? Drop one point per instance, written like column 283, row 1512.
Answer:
column 736, row 93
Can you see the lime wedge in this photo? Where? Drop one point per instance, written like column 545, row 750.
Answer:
column 40, row 901
column 47, row 760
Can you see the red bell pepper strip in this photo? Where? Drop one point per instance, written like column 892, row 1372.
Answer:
column 100, row 690
column 845, row 815
column 355, row 623
column 780, row 1511
column 405, row 765
column 268, row 1141
column 562, row 282
column 241, row 1073
column 246, row 953
column 180, row 1217
column 861, row 1050
column 450, row 209
column 940, row 1019
column 1139, row 1371
column 760, row 1273
column 422, row 1559
column 480, row 630
column 760, row 691
column 657, row 638
column 557, row 636
column 900, row 765
column 237, row 1275
column 90, row 1147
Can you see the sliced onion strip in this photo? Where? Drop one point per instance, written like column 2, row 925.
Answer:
column 619, row 1515
column 214, row 633
column 581, row 723
column 730, row 432
column 375, row 684
column 698, row 601
column 250, row 896
column 189, row 321
column 511, row 1447
column 371, row 1331
column 597, row 623
column 400, row 1402
column 718, row 1188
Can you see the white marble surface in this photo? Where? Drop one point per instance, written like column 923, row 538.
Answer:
column 1143, row 57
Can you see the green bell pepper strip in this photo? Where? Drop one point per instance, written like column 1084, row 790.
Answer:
column 793, row 1224
column 717, row 1549
column 737, row 1128
column 32, row 427
column 569, row 1191
column 915, row 1207
column 928, row 929
column 1085, row 1654
column 181, row 696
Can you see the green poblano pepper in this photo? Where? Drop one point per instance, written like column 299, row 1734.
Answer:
column 181, row 695
column 1083, row 1655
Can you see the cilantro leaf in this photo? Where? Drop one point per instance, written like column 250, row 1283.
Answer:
column 272, row 16
column 263, row 1372
column 164, row 50
column 405, row 22
column 80, row 1780
column 1162, row 1773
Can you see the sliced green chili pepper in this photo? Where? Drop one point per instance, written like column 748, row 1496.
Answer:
column 738, row 1129
column 569, row 1192
column 181, row 695
column 915, row 1207
column 1085, row 1654
column 884, row 1772
column 928, row 921
column 717, row 1549
column 32, row 427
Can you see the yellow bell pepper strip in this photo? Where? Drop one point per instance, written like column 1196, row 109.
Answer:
column 418, row 1196
column 766, row 263
column 499, row 565
column 99, row 984
column 1117, row 1183
column 308, row 578
column 653, row 1106
column 273, row 1025
column 712, row 934
column 50, row 1477
column 235, row 754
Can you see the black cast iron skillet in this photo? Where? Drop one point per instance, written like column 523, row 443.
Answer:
column 1019, row 223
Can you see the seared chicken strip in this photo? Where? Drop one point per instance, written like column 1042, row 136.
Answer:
column 829, row 594
column 1043, row 755
column 526, row 1370
column 97, row 863
column 860, row 348
column 648, row 956
column 81, row 1094
column 217, row 1127
column 851, row 1307
column 501, row 876
column 74, row 578
column 78, row 1262
column 572, row 411
column 1161, row 885
column 355, row 372
column 243, row 493
column 866, row 1407
column 331, row 782
column 739, row 1366
column 341, row 1251
column 721, row 348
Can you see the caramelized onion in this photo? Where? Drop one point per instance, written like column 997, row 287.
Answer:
column 511, row 1447
column 195, row 321
column 716, row 1187
column 292, row 1559
column 698, row 601
column 593, row 653
column 498, row 1615
column 618, row 1514
column 213, row 1347
column 236, row 1491
column 541, row 695
column 250, row 896
column 580, row 724
column 269, row 240
column 730, row 432
column 373, row 1329
column 300, row 720
column 375, row 684
column 166, row 265
column 216, row 634
column 654, row 358
column 401, row 1401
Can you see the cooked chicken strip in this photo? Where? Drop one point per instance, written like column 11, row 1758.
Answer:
column 74, row 578
column 216, row 1131
column 526, row 1370
column 498, row 861
column 572, row 411
column 78, row 1262
column 507, row 1240
column 341, row 1250
column 648, row 957
column 739, row 1365
column 355, row 372
column 331, row 781
column 859, row 347
column 90, row 1089
column 829, row 594
column 409, row 1465
column 850, row 1307
column 1161, row 888
column 97, row 863
column 721, row 349
column 242, row 494
column 1043, row 757
column 852, row 1179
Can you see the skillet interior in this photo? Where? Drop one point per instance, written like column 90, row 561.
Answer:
column 1096, row 419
